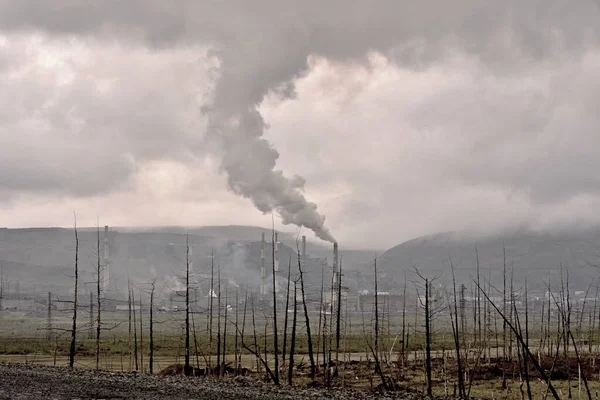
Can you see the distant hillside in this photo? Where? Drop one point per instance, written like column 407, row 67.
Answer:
column 240, row 233
column 42, row 259
column 353, row 259
column 535, row 256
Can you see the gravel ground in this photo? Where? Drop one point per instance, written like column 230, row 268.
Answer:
column 20, row 381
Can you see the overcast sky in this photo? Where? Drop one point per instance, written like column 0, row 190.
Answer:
column 404, row 118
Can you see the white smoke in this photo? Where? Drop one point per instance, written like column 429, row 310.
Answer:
column 250, row 160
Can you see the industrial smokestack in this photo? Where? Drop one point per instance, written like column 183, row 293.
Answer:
column 303, row 252
column 263, row 275
column 334, row 289
column 106, row 261
column 335, row 258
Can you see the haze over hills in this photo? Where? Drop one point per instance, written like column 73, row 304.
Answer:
column 535, row 256
column 42, row 258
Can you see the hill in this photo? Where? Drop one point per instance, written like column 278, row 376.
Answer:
column 535, row 256
column 41, row 259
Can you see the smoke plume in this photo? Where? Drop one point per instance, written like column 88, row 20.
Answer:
column 249, row 161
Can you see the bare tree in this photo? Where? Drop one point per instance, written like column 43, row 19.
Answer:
column 478, row 312
column 219, row 317
column 91, row 329
column 235, row 346
column 76, row 285
column 130, row 315
column 293, row 338
column 98, row 298
column 320, row 325
column 151, row 322
column 287, row 304
column 564, row 310
column 308, row 335
column 211, row 298
column 404, row 342
column 430, row 306
column 141, row 333
column 461, row 382
column 187, row 305
column 239, row 363
column 375, row 349
column 276, row 343
column 521, row 340
column 222, row 369
column 49, row 318
column 135, row 339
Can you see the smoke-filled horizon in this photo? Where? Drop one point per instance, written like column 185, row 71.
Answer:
column 398, row 119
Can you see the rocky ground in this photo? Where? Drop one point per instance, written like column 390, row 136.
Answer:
column 20, row 381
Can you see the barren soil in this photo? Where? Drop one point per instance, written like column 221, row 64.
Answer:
column 19, row 381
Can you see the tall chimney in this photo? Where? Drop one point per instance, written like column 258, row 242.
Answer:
column 335, row 258
column 106, row 261
column 335, row 273
column 303, row 252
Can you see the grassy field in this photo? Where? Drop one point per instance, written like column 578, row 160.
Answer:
column 27, row 339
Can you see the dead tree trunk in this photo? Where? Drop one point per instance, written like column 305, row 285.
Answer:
column 459, row 370
column 285, row 319
column 219, row 318
column 235, row 345
column 428, row 337
column 404, row 342
column 99, row 301
column 135, row 341
column 243, row 327
column 504, row 326
column 276, row 343
column 130, row 309
column 293, row 338
column 76, row 285
column 91, row 330
column 521, row 340
column 141, row 333
column 212, row 295
column 308, row 335
column 478, row 313
column 375, row 351
column 222, row 370
column 187, row 305
column 319, row 327
column 151, row 362
column 49, row 318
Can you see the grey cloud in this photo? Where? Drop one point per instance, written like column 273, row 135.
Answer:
column 454, row 146
column 263, row 44
column 61, row 132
